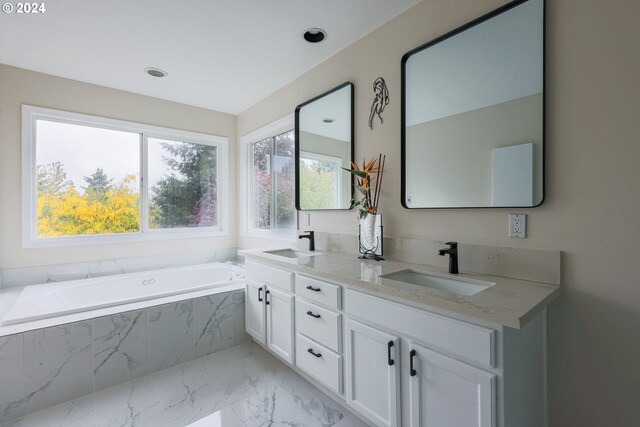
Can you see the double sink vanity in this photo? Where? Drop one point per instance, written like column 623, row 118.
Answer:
column 404, row 344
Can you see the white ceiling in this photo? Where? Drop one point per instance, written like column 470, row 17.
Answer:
column 224, row 55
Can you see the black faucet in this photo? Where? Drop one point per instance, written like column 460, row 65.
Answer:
column 312, row 240
column 452, row 251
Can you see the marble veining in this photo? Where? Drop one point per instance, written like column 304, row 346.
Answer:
column 57, row 364
column 120, row 348
column 213, row 323
column 133, row 403
column 170, row 335
column 239, row 331
column 48, row 366
column 75, row 413
column 243, row 386
column 12, row 372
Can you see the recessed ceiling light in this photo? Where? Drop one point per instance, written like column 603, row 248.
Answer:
column 328, row 120
column 314, row 35
column 155, row 72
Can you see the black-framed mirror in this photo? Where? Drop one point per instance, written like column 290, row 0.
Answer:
column 473, row 114
column 323, row 146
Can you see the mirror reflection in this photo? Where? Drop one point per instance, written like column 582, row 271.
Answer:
column 324, row 145
column 473, row 111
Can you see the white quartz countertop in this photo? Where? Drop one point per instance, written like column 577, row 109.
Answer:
column 509, row 302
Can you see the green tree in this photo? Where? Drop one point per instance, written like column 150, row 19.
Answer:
column 285, row 179
column 317, row 182
column 52, row 179
column 188, row 196
column 261, row 158
column 98, row 185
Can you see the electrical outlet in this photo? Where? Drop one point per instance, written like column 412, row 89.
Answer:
column 307, row 219
column 518, row 225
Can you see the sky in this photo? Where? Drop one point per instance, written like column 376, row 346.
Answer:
column 83, row 149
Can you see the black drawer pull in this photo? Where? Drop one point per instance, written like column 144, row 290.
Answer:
column 260, row 294
column 311, row 288
column 390, row 361
column 310, row 313
column 314, row 353
column 266, row 298
column 412, row 371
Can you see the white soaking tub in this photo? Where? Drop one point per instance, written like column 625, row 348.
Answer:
column 74, row 296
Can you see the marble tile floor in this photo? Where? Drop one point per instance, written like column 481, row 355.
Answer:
column 243, row 386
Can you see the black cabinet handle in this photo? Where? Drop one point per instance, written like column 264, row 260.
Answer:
column 266, row 299
column 314, row 353
column 260, row 294
column 310, row 313
column 311, row 288
column 412, row 371
column 390, row 361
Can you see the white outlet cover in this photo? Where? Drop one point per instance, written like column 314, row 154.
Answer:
column 518, row 225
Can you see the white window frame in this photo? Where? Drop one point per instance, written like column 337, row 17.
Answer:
column 271, row 130
column 30, row 239
column 337, row 176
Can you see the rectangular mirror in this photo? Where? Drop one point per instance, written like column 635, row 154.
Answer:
column 324, row 145
column 473, row 114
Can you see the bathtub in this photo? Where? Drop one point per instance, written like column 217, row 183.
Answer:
column 37, row 302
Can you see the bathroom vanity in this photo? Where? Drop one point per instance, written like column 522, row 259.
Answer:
column 405, row 344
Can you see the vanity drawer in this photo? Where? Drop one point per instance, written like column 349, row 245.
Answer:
column 321, row 325
column 465, row 340
column 318, row 291
column 325, row 365
column 272, row 276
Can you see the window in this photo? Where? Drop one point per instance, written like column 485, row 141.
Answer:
column 269, row 175
column 88, row 179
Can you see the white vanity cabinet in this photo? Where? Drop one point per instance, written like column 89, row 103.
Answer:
column 442, row 389
column 447, row 392
column 269, row 308
column 319, row 331
column 373, row 373
column 279, row 313
column 395, row 364
column 254, row 314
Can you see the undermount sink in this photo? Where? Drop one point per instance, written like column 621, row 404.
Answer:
column 466, row 287
column 290, row 253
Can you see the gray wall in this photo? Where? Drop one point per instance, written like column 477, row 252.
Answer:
column 593, row 184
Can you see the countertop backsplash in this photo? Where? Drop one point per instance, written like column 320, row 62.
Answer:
column 537, row 265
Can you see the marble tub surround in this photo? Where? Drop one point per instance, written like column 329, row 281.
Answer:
column 508, row 302
column 242, row 386
column 46, row 367
column 81, row 306
column 18, row 277
column 535, row 265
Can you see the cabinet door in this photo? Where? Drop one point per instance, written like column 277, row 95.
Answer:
column 447, row 392
column 279, row 323
column 254, row 311
column 373, row 373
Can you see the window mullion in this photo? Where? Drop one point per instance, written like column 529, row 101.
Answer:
column 144, row 186
column 274, row 186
